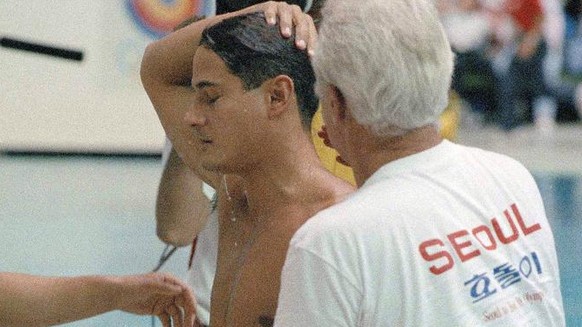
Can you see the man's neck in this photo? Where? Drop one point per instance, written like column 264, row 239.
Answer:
column 283, row 181
column 374, row 153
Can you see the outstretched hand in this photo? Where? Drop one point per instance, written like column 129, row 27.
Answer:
column 290, row 19
column 158, row 294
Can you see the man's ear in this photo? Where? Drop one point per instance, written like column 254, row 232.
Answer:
column 280, row 91
column 338, row 103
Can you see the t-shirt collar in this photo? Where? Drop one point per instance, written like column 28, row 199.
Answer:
column 412, row 163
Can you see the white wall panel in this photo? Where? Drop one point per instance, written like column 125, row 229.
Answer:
column 54, row 104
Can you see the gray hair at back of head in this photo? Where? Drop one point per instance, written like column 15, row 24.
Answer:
column 390, row 59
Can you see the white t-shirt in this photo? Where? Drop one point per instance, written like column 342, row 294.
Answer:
column 201, row 273
column 452, row 236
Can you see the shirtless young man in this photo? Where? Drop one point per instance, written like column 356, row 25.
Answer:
column 248, row 113
column 182, row 208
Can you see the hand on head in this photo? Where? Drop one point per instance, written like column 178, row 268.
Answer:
column 290, row 19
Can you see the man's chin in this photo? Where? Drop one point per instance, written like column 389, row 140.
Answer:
column 217, row 167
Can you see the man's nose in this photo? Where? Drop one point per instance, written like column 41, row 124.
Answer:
column 194, row 118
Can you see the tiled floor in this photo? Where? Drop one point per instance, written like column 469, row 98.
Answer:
column 70, row 215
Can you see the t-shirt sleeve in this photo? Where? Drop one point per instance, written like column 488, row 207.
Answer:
column 315, row 293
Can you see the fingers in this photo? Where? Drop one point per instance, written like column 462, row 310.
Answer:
column 270, row 12
column 286, row 15
column 161, row 295
column 312, row 39
column 183, row 307
column 302, row 35
column 198, row 323
column 168, row 285
column 176, row 315
column 305, row 32
column 188, row 303
column 165, row 319
column 292, row 20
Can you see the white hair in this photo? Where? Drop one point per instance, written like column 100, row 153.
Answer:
column 390, row 59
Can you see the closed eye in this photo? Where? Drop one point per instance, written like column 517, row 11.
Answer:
column 212, row 100
column 207, row 92
column 205, row 99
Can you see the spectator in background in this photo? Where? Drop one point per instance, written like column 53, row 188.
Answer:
column 573, row 39
column 573, row 48
column 469, row 31
column 520, row 69
column 553, row 31
column 561, row 87
column 521, row 78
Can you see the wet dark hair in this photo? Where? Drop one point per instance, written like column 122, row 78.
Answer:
column 255, row 51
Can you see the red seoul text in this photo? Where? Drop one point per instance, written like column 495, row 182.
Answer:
column 465, row 243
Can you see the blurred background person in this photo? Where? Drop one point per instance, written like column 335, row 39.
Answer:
column 519, row 62
column 572, row 67
column 522, row 44
column 469, row 30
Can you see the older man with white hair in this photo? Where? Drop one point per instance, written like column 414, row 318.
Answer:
column 438, row 234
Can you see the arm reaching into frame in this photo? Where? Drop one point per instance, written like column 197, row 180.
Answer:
column 31, row 301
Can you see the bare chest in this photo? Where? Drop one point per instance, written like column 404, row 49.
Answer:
column 246, row 285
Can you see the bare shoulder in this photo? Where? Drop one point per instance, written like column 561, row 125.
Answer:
column 334, row 189
column 342, row 188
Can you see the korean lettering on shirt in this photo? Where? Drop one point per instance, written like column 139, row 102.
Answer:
column 481, row 285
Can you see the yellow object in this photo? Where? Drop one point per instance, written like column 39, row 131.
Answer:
column 328, row 155
column 449, row 122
